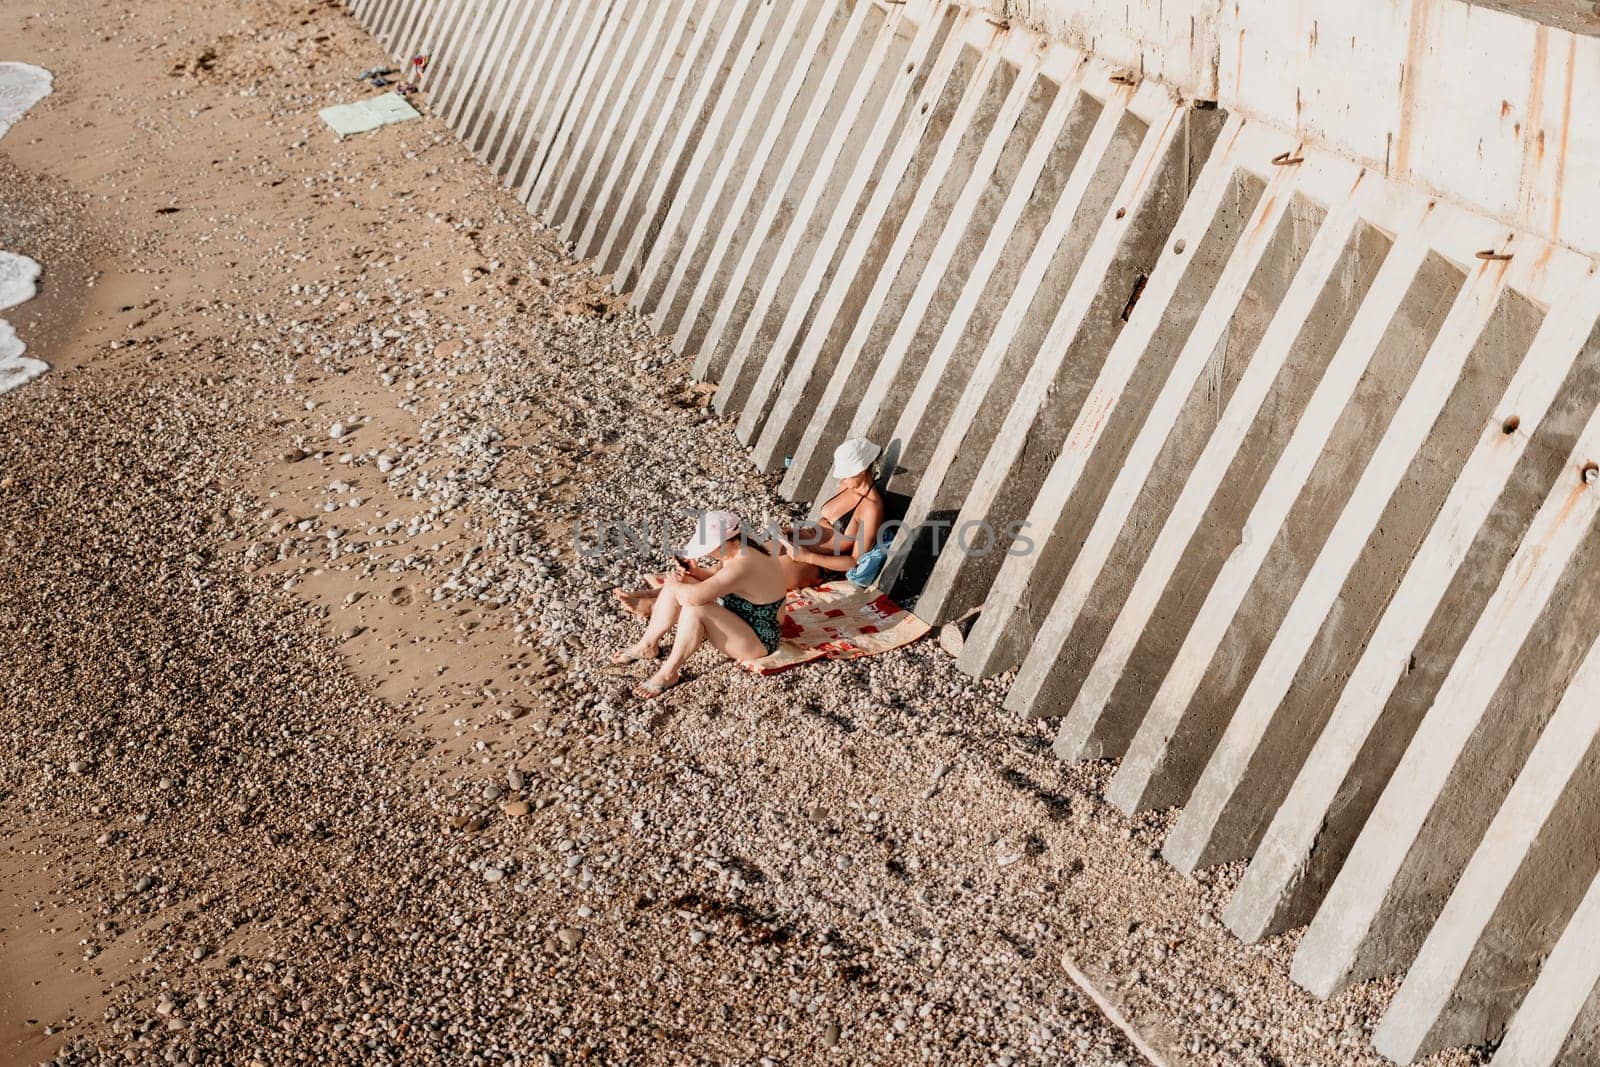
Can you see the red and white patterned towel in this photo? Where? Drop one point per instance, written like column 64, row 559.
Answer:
column 839, row 620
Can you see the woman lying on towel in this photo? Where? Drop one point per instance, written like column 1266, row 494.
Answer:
column 735, row 604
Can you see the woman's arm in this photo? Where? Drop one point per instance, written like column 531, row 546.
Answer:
column 694, row 570
column 869, row 517
column 715, row 584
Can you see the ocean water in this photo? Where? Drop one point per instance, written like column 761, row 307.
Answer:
column 22, row 85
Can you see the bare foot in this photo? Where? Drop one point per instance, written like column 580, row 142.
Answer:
column 633, row 600
column 657, row 684
column 635, row 653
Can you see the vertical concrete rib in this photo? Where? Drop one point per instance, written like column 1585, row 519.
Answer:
column 1198, row 226
column 1404, row 485
column 378, row 16
column 941, row 276
column 994, row 454
column 590, row 100
column 522, row 123
column 1105, row 655
column 416, row 23
column 854, row 151
column 963, row 192
column 1526, row 878
column 699, row 115
column 1048, row 327
column 443, row 58
column 1469, row 543
column 965, row 86
column 715, row 145
column 388, row 17
column 983, row 336
column 491, row 115
column 1559, row 1020
column 1253, row 263
column 788, row 150
column 1199, row 383
column 577, row 205
column 363, row 11
column 471, row 52
column 1543, row 616
column 421, row 30
column 646, row 124
column 677, row 113
column 583, row 24
column 504, row 37
column 768, row 92
column 947, row 416
column 857, row 75
column 576, row 97
column 1313, row 828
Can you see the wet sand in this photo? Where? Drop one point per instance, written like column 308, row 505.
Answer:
column 309, row 752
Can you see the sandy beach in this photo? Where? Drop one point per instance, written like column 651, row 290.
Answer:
column 308, row 748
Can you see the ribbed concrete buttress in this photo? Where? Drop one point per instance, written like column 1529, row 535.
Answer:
column 1257, row 421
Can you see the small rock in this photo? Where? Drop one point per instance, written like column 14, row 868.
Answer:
column 570, row 936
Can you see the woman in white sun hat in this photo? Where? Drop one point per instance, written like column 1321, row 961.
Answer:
column 847, row 527
column 736, row 604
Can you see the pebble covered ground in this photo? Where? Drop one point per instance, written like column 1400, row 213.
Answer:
column 310, row 752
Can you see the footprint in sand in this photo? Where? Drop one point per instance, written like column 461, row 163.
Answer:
column 400, row 595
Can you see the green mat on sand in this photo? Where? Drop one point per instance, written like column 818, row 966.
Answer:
column 385, row 109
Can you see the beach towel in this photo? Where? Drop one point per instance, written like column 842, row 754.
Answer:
column 369, row 114
column 839, row 620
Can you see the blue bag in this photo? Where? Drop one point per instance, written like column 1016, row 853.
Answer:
column 870, row 563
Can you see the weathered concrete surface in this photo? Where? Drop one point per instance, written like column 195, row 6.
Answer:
column 1253, row 418
column 866, row 58
column 1479, row 102
column 1516, row 895
column 960, row 99
column 854, row 150
column 1559, row 1019
column 981, row 261
column 959, row 182
column 1058, row 366
column 1202, row 225
column 1471, row 541
column 769, row 88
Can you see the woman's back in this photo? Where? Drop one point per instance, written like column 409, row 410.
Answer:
column 755, row 576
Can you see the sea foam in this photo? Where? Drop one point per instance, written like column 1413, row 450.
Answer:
column 22, row 85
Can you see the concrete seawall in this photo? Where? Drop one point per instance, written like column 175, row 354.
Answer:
column 1273, row 330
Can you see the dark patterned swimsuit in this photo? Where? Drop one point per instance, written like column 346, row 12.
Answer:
column 762, row 618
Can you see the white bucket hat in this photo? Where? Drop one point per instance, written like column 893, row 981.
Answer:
column 715, row 529
column 853, row 457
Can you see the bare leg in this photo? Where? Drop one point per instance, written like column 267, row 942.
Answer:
column 663, row 616
column 640, row 601
column 698, row 623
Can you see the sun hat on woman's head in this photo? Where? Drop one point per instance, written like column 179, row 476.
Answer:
column 853, row 457
column 715, row 529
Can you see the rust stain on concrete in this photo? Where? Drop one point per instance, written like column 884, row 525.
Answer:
column 1559, row 182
